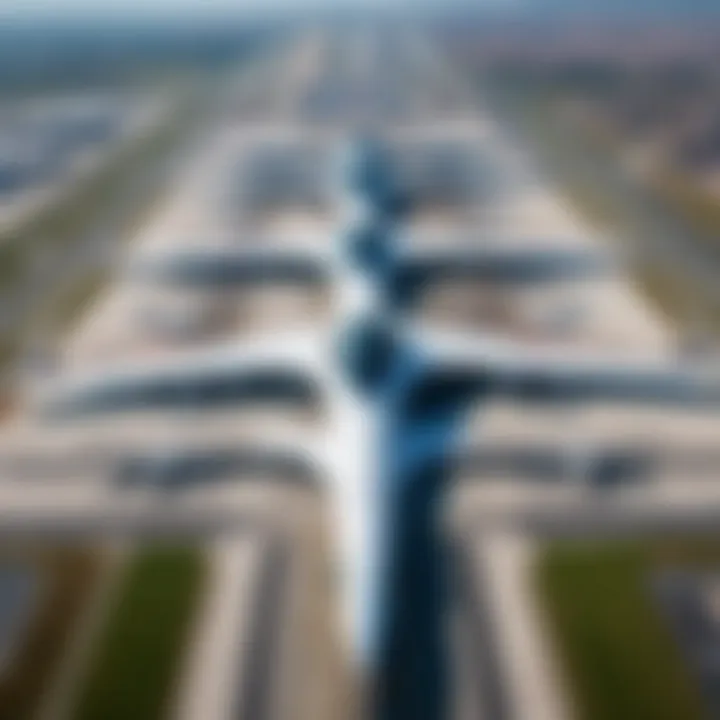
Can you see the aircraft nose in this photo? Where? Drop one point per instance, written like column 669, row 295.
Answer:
column 368, row 176
column 369, row 350
column 369, row 247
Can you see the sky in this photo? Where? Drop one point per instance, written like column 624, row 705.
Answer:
column 71, row 9
column 25, row 8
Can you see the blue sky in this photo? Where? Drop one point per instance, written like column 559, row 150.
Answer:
column 219, row 8
column 9, row 8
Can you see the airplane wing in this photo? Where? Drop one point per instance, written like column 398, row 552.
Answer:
column 599, row 464
column 176, row 447
column 186, row 468
column 417, row 270
column 278, row 369
column 232, row 267
column 495, row 368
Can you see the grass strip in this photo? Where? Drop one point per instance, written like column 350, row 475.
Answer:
column 616, row 649
column 133, row 668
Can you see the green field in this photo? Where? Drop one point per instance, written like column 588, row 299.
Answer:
column 615, row 649
column 139, row 651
